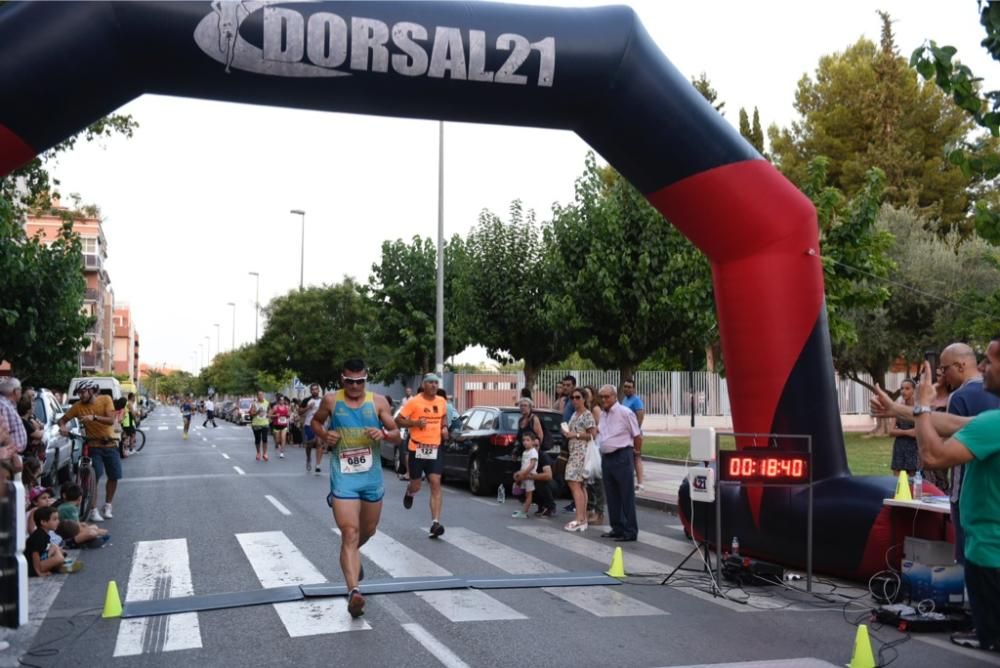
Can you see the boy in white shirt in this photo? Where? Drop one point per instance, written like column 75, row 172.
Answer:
column 529, row 461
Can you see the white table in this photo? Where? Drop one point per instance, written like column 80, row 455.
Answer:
column 934, row 504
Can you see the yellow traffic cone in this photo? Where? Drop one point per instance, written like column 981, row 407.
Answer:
column 862, row 656
column 112, row 602
column 903, row 488
column 617, row 569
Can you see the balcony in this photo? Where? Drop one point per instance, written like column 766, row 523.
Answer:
column 92, row 294
column 88, row 360
column 92, row 262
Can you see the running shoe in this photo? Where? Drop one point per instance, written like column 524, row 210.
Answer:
column 106, row 511
column 571, row 508
column 281, row 455
column 519, row 515
column 966, row 639
column 95, row 516
column 355, row 604
column 318, row 471
column 436, row 529
column 407, row 500
column 546, row 512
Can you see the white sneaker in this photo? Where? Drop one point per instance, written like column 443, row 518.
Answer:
column 281, row 455
column 106, row 511
column 95, row 516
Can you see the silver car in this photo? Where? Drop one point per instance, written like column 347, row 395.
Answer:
column 58, row 464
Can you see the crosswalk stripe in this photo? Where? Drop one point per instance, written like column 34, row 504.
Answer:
column 682, row 547
column 162, row 428
column 277, row 563
column 160, row 569
column 599, row 601
column 460, row 605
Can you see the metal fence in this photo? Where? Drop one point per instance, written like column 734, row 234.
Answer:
column 662, row 392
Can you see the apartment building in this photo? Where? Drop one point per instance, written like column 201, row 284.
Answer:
column 126, row 344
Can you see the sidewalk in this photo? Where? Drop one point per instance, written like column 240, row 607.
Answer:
column 660, row 484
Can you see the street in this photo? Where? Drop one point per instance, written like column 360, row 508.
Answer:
column 202, row 516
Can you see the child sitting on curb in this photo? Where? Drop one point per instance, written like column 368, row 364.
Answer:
column 43, row 557
column 69, row 510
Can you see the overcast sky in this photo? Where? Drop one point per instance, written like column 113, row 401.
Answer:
column 200, row 196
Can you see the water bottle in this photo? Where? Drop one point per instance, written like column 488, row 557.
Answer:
column 918, row 486
column 735, row 547
column 501, row 494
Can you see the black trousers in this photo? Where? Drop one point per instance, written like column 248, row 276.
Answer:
column 984, row 598
column 209, row 417
column 543, row 495
column 618, row 471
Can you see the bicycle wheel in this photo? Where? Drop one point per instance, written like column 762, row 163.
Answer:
column 88, row 483
column 140, row 440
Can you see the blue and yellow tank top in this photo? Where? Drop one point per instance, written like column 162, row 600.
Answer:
column 351, row 424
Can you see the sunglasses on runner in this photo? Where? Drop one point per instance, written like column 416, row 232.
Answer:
column 354, row 381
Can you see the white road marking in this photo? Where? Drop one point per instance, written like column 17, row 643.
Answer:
column 178, row 427
column 160, row 569
column 777, row 663
column 599, row 601
column 224, row 455
column 162, row 428
column 447, row 658
column 277, row 563
column 239, row 470
column 674, row 545
column 461, row 605
column 277, row 504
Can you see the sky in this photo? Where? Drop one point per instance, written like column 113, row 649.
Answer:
column 202, row 194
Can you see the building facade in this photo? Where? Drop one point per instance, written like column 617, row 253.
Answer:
column 126, row 343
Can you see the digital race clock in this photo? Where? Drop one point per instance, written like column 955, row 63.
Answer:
column 763, row 465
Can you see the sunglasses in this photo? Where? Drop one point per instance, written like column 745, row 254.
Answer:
column 578, row 396
column 354, row 381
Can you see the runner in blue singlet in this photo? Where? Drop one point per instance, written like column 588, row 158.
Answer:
column 353, row 422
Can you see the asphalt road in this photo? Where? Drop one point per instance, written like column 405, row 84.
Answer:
column 202, row 516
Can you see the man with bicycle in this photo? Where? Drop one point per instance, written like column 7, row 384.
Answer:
column 97, row 414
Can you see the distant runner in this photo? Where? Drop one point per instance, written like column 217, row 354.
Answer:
column 187, row 408
column 353, row 422
column 259, row 424
column 425, row 416
column 310, row 406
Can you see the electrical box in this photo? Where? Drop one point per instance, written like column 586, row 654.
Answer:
column 703, row 444
column 701, row 481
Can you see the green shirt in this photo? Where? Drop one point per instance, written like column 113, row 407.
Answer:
column 69, row 511
column 260, row 419
column 980, row 500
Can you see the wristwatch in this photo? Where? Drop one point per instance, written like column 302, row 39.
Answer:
column 920, row 410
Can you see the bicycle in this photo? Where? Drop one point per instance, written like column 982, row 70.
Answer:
column 86, row 478
column 139, row 441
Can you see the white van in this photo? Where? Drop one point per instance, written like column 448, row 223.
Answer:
column 108, row 385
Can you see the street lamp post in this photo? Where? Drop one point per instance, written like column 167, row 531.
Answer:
column 218, row 345
column 302, row 252
column 208, row 350
column 256, row 306
column 233, row 304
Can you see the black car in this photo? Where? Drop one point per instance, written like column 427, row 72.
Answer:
column 486, row 453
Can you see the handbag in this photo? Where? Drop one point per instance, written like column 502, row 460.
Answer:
column 592, row 461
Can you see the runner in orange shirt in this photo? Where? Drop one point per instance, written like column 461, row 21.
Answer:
column 425, row 415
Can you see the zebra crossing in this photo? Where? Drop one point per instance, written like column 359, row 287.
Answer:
column 161, row 569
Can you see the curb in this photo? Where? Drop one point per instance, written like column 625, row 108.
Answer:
column 666, row 505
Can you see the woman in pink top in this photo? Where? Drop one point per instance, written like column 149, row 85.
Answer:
column 279, row 424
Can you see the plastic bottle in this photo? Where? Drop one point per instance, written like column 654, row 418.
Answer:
column 735, row 547
column 501, row 494
column 918, row 486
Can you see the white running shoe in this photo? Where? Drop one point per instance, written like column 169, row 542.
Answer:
column 94, row 516
column 106, row 511
column 281, row 455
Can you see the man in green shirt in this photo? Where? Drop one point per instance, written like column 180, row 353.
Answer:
column 974, row 442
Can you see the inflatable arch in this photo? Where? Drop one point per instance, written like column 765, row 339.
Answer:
column 593, row 71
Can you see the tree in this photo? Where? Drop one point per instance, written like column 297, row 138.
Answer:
column 152, row 385
column 752, row 134
column 311, row 332
column 865, row 108
column 704, row 86
column 233, row 372
column 631, row 283
column 402, row 290
column 977, row 156
column 502, row 294
column 178, row 384
column 43, row 329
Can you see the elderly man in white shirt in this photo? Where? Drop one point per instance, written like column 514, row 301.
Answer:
column 620, row 439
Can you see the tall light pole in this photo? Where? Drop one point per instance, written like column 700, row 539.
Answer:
column 208, row 350
column 302, row 253
column 233, row 304
column 218, row 346
column 439, row 334
column 256, row 306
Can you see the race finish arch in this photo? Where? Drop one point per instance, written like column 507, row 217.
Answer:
column 593, row 71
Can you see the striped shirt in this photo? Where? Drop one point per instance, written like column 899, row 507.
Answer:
column 8, row 412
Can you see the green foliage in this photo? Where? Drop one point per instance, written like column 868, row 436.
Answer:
column 42, row 329
column 631, row 283
column 865, row 108
column 752, row 133
column 234, row 372
column 178, row 384
column 311, row 332
column 503, row 293
column 402, row 291
column 975, row 157
column 704, row 86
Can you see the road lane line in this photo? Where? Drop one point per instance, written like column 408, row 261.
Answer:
column 599, row 601
column 277, row 504
column 460, row 605
column 278, row 563
column 437, row 649
column 160, row 569
column 162, row 428
column 239, row 470
column 224, row 455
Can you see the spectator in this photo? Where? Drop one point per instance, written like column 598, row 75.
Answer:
column 568, row 385
column 904, row 449
column 558, row 399
column 620, row 436
column 39, row 497
column 528, row 421
column 69, row 511
column 542, row 477
column 529, row 462
column 595, row 486
column 580, row 430
column 10, row 394
column 407, row 395
column 452, row 413
column 633, row 402
column 43, row 557
column 32, row 427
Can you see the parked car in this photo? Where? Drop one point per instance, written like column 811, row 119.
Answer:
column 241, row 411
column 485, row 451
column 392, row 453
column 57, row 466
column 226, row 410
column 108, row 385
